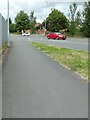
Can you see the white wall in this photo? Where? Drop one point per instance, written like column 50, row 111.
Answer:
column 3, row 39
column 0, row 30
column 3, row 30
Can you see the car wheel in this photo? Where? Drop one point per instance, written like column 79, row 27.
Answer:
column 48, row 37
column 57, row 38
column 64, row 39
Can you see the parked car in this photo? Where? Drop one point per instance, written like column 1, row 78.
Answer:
column 26, row 34
column 57, row 36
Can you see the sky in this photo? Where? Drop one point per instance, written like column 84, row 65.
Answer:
column 41, row 8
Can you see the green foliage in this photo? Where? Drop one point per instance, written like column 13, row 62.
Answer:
column 32, row 22
column 37, row 27
column 10, row 21
column 79, row 21
column 22, row 21
column 72, row 12
column 73, row 59
column 3, row 48
column 86, row 23
column 72, row 26
column 56, row 21
column 12, row 28
column 78, row 18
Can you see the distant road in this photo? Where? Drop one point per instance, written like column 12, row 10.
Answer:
column 72, row 43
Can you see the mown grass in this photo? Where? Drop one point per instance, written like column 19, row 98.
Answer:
column 73, row 59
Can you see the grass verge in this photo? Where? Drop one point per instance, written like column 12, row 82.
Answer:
column 72, row 59
column 3, row 48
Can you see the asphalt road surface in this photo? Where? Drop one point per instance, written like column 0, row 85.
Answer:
column 35, row 86
column 72, row 43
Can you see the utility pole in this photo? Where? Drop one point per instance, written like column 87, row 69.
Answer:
column 46, row 16
column 8, row 23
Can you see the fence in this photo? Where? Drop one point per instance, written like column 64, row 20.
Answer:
column 3, row 30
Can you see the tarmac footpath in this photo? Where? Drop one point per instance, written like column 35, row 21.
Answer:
column 35, row 86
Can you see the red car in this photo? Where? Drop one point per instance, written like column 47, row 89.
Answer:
column 57, row 36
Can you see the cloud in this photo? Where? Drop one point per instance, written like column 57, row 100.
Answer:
column 40, row 7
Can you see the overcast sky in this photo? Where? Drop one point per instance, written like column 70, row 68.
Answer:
column 41, row 7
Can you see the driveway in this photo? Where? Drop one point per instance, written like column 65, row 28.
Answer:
column 35, row 86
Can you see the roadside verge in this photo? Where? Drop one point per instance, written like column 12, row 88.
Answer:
column 3, row 51
column 71, row 59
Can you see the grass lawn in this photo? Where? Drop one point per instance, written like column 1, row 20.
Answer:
column 73, row 59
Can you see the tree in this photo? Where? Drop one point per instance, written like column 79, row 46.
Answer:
column 86, row 21
column 12, row 28
column 22, row 21
column 56, row 21
column 32, row 22
column 39, row 27
column 78, row 18
column 72, row 27
column 72, row 12
column 10, row 21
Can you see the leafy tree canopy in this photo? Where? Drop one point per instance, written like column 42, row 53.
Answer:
column 12, row 28
column 10, row 21
column 22, row 21
column 32, row 22
column 56, row 21
column 72, row 18
column 86, row 16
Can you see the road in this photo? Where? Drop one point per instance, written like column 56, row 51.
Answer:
column 72, row 43
column 35, row 86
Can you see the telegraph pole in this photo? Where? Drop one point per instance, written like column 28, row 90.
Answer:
column 46, row 16
column 8, row 23
column 45, row 20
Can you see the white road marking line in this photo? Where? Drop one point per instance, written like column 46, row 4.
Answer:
column 29, row 39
